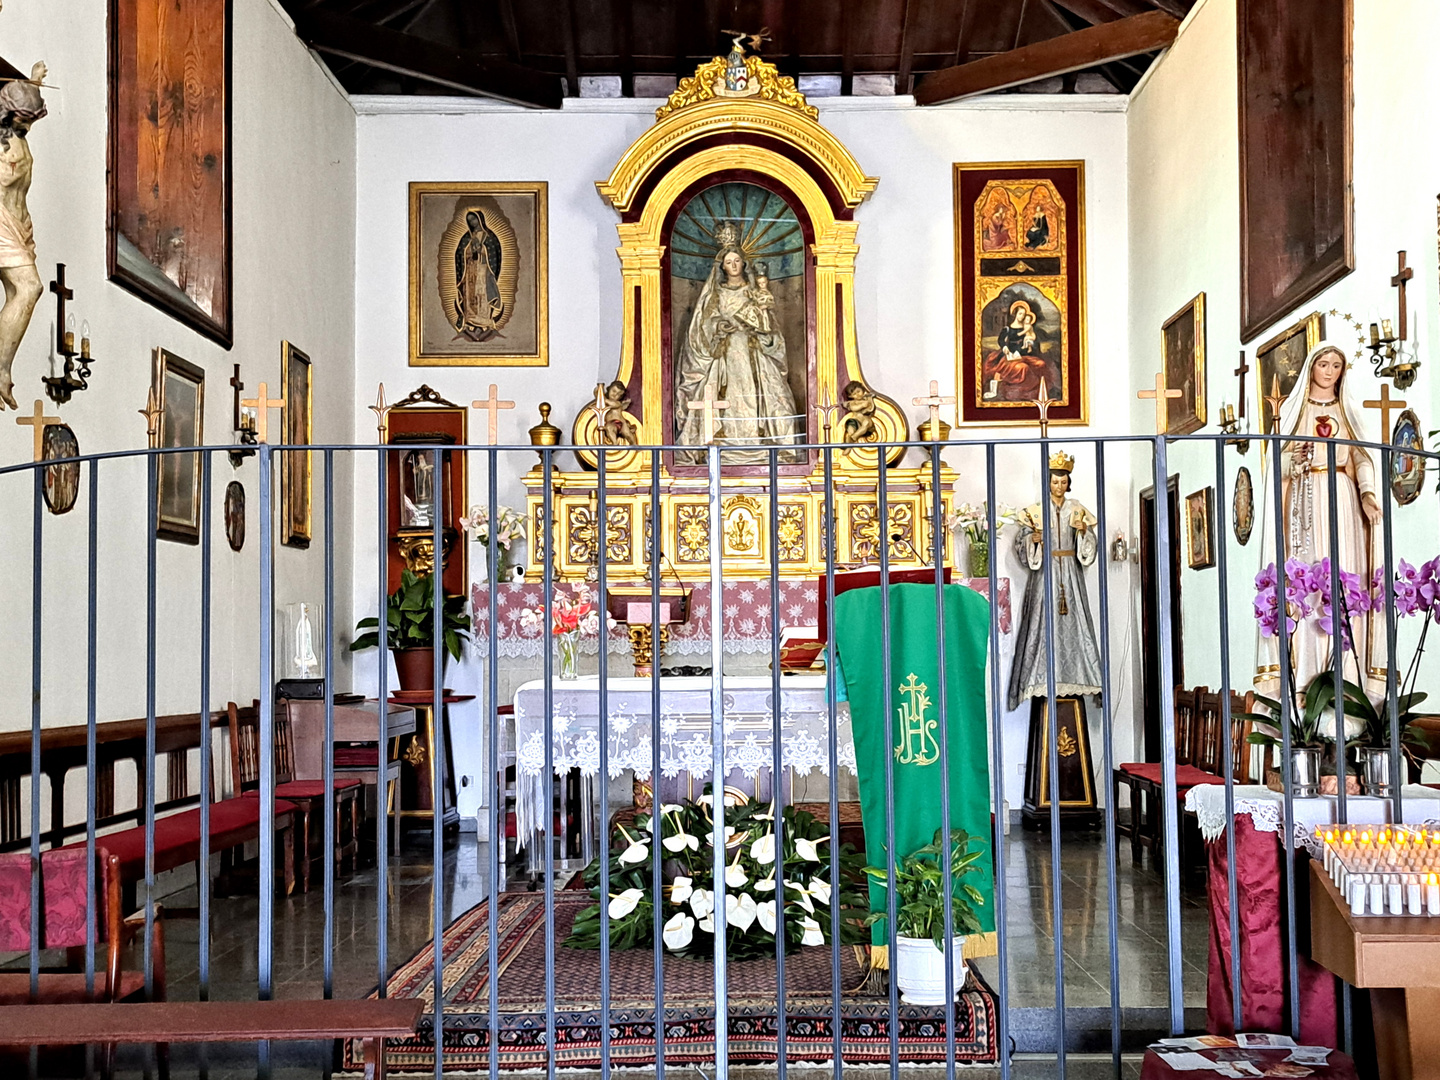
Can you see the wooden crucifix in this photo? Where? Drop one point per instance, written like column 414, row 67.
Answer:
column 1386, row 406
column 709, row 405
column 933, row 403
column 1241, row 370
column 236, row 387
column 262, row 405
column 492, row 405
column 62, row 293
column 39, row 422
column 1399, row 281
column 1162, row 395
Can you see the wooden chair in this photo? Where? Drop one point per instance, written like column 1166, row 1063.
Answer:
column 304, row 794
column 1143, row 780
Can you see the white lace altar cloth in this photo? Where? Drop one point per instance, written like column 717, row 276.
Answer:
column 747, row 616
column 685, row 744
column 1265, row 807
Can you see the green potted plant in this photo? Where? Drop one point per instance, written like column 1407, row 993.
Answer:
column 919, row 961
column 410, row 619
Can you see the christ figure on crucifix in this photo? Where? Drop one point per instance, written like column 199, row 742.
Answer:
column 20, row 106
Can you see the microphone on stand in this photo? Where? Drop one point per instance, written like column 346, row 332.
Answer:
column 898, row 537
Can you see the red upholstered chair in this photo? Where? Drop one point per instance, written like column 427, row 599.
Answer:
column 62, row 926
column 306, row 795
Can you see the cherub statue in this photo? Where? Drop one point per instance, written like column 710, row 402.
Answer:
column 858, row 424
column 20, row 106
column 615, row 427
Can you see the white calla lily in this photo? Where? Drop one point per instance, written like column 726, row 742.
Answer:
column 765, row 915
column 812, row 934
column 820, row 890
column 763, row 850
column 680, row 841
column 680, row 890
column 740, row 911
column 735, row 876
column 707, row 924
column 802, row 896
column 637, row 852
column 624, row 903
column 702, row 902
column 765, row 885
column 678, row 931
column 809, row 850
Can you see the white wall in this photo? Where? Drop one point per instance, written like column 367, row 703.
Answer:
column 293, row 150
column 905, row 313
column 1184, row 212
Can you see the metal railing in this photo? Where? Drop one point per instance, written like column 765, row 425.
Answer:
column 263, row 605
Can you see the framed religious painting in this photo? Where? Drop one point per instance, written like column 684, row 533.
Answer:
column 1199, row 510
column 1407, row 465
column 479, row 275
column 180, row 395
column 1020, row 292
column 1282, row 358
column 1182, row 353
column 1243, row 506
column 297, row 427
column 169, row 228
column 62, row 482
column 235, row 515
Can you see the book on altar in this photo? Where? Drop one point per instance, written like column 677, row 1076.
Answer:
column 800, row 649
column 863, row 578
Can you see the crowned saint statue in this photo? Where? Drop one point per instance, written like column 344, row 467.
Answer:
column 734, row 351
column 1073, row 548
column 1321, row 405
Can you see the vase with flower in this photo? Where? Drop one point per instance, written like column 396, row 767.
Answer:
column 973, row 522
column 509, row 531
column 571, row 616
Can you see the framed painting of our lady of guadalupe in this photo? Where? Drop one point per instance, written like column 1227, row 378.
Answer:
column 1020, row 292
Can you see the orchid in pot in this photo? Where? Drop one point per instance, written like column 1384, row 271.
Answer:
column 570, row 616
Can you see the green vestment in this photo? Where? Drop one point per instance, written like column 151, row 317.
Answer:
column 914, row 745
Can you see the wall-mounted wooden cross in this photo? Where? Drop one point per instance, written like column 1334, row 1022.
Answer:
column 382, row 414
column 262, row 404
column 62, row 293
column 1043, row 403
column 1274, row 399
column 1404, row 274
column 492, row 405
column 933, row 403
column 1241, row 370
column 1162, row 395
column 236, row 387
column 1386, row 407
column 39, row 422
column 709, row 405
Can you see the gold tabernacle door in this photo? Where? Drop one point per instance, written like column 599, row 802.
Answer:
column 737, row 251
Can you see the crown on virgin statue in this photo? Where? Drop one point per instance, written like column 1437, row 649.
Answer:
column 727, row 234
column 1061, row 462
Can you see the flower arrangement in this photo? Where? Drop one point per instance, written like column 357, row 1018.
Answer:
column 973, row 520
column 920, row 892
column 765, row 886
column 570, row 616
column 509, row 528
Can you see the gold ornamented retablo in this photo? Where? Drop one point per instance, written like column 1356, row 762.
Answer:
column 773, row 86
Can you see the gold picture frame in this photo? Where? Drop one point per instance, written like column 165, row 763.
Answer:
column 297, row 428
column 479, row 274
column 1182, row 357
column 1284, row 355
column 179, row 391
column 1200, row 528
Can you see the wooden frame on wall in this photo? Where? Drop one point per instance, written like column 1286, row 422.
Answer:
column 1182, row 357
column 180, row 395
column 1200, row 528
column 1296, row 154
column 170, row 183
column 297, row 425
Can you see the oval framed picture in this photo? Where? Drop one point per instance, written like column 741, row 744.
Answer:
column 62, row 482
column 1244, row 506
column 1407, row 468
column 235, row 514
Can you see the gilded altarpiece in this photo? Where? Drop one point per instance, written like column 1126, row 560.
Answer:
column 737, row 251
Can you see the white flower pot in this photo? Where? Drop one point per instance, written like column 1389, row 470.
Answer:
column 920, row 969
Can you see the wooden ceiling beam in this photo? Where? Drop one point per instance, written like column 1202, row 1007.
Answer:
column 457, row 69
column 1069, row 52
column 907, row 48
column 1093, row 12
column 847, row 44
column 1178, row 8
column 572, row 51
column 1127, row 8
column 962, row 34
column 622, row 26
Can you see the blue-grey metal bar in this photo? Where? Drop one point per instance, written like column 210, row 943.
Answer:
column 1107, row 735
column 947, row 872
column 327, row 765
column 1227, row 742
column 1337, row 638
column 92, row 764
column 602, row 781
column 997, row 753
column 150, row 660
column 547, row 547
column 382, row 745
column 1387, row 526
column 1166, row 658
column 266, row 726
column 717, row 759
column 832, row 712
column 656, row 879
column 1286, row 706
column 37, row 605
column 887, row 675
column 1052, row 751
column 437, row 754
column 498, row 823
column 202, row 877
column 777, row 793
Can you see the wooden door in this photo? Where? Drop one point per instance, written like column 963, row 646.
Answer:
column 1150, row 608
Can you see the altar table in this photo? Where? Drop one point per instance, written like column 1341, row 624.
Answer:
column 685, row 745
column 746, row 616
column 1260, row 879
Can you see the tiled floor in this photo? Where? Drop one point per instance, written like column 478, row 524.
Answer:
column 1030, row 937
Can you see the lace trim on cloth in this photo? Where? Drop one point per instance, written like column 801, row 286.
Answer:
column 1266, row 809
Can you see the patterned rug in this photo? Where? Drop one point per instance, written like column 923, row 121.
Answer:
column 688, row 996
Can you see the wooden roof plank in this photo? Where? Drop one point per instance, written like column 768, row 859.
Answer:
column 445, row 65
column 1057, row 56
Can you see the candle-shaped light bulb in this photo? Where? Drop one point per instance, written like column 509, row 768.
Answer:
column 85, row 340
column 1385, row 327
column 70, row 333
column 1374, row 334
